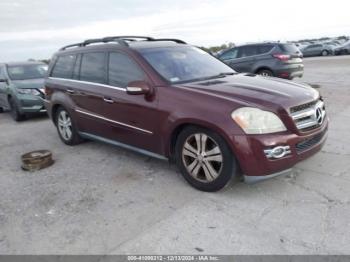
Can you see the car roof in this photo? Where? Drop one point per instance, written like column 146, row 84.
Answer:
column 265, row 43
column 23, row 63
column 121, row 43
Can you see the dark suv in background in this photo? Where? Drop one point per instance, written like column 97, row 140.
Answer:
column 167, row 99
column 268, row 59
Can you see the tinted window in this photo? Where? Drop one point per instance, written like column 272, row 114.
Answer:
column 248, row 50
column 22, row 72
column 262, row 49
column 64, row 66
column 93, row 67
column 123, row 70
column 289, row 48
column 230, row 54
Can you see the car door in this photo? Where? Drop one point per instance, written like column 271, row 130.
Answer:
column 240, row 58
column 3, row 88
column 307, row 51
column 246, row 58
column 131, row 118
column 89, row 90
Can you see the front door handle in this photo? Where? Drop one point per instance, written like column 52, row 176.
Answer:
column 108, row 100
column 70, row 91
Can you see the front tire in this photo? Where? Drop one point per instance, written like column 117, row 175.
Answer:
column 14, row 111
column 204, row 159
column 66, row 127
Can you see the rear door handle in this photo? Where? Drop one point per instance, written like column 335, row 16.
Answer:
column 108, row 100
column 70, row 91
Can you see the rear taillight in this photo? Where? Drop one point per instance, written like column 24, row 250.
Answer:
column 282, row 57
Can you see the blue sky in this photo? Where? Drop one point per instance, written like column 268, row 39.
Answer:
column 37, row 28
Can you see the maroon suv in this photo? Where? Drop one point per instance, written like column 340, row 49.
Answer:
column 170, row 100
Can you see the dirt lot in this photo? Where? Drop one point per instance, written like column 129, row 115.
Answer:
column 101, row 199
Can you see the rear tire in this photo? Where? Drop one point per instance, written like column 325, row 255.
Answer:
column 204, row 159
column 325, row 53
column 1, row 110
column 14, row 111
column 66, row 127
column 265, row 72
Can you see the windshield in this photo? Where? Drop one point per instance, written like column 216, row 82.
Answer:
column 185, row 64
column 22, row 72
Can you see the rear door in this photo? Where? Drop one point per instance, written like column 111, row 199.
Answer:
column 246, row 58
column 240, row 58
column 89, row 91
column 312, row 50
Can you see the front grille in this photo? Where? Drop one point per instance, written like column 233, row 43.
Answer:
column 308, row 116
column 302, row 107
column 308, row 143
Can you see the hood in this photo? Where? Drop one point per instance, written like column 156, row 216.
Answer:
column 257, row 91
column 29, row 83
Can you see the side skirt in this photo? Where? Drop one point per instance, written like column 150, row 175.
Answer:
column 116, row 143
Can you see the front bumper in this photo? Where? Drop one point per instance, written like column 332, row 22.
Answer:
column 256, row 166
column 31, row 104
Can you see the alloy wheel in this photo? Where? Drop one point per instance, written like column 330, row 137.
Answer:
column 202, row 157
column 65, row 125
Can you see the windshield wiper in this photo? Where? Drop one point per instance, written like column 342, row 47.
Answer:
column 221, row 75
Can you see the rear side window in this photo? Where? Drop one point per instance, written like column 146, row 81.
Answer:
column 289, row 48
column 123, row 70
column 64, row 66
column 249, row 50
column 93, row 67
column 263, row 49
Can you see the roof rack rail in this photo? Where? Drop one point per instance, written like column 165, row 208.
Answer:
column 122, row 40
column 131, row 37
column 71, row 45
column 170, row 39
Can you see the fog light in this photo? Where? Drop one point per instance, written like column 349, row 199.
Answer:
column 277, row 152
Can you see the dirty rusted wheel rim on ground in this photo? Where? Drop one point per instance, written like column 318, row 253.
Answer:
column 36, row 160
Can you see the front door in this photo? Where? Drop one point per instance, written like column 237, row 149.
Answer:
column 133, row 118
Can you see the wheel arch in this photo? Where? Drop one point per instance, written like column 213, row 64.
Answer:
column 263, row 68
column 176, row 130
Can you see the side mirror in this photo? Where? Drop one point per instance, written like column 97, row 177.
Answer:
column 138, row 88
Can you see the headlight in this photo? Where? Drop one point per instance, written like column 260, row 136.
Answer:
column 256, row 121
column 31, row 91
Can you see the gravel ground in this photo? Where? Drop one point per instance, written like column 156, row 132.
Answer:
column 99, row 199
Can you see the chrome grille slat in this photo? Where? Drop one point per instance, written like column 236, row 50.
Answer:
column 310, row 115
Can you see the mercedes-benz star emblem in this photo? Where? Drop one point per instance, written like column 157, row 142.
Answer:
column 319, row 117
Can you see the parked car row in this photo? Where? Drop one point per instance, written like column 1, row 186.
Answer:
column 170, row 100
column 324, row 48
